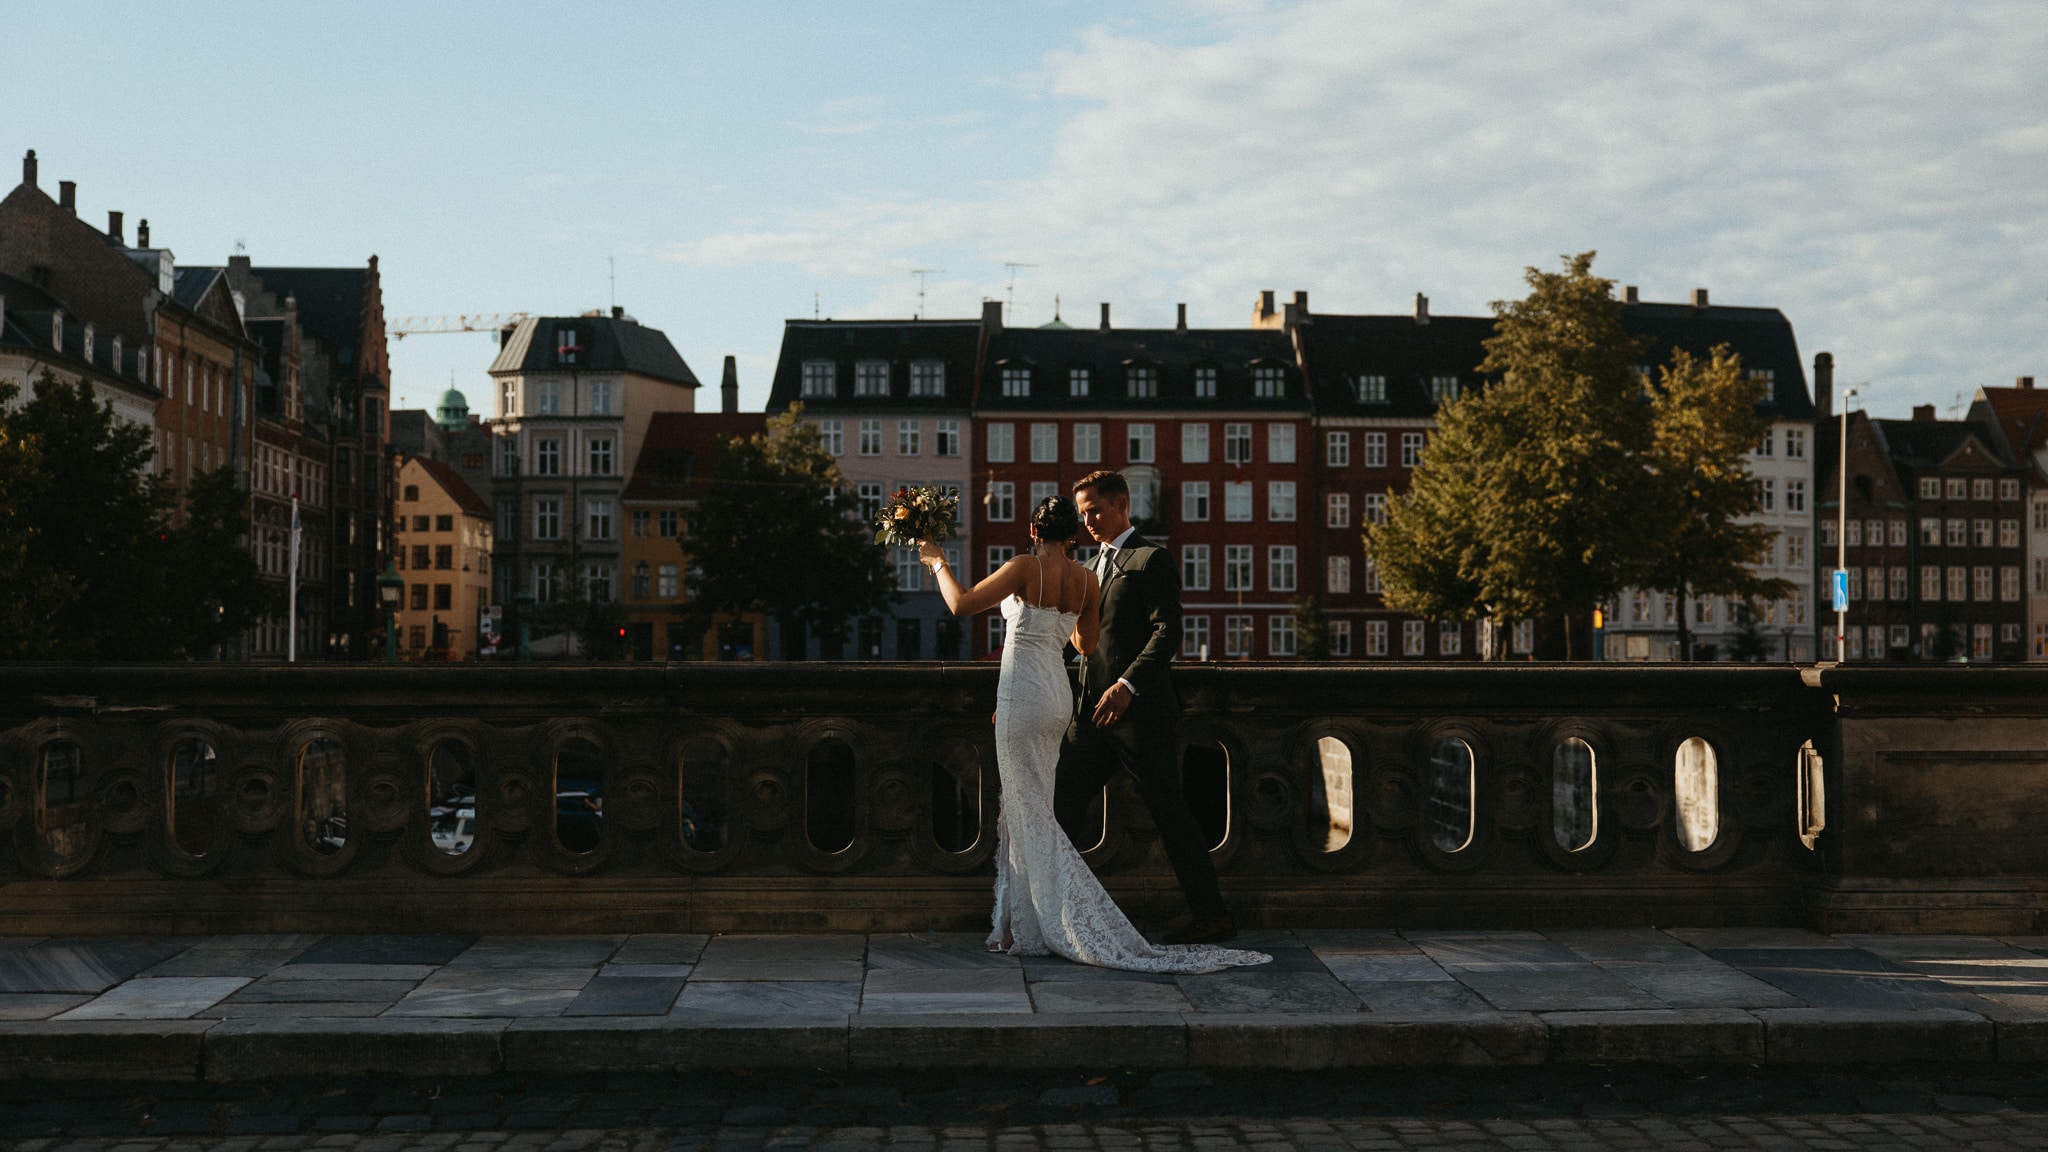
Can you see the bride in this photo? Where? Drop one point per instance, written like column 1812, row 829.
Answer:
column 1047, row 899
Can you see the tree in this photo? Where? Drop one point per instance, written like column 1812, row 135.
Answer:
column 1705, row 421
column 1312, row 629
column 1749, row 645
column 1527, row 504
column 35, row 595
column 777, row 532
column 111, row 576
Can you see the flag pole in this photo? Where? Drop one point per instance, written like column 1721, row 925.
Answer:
column 291, row 650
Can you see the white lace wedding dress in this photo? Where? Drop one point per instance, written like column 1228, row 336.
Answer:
column 1047, row 898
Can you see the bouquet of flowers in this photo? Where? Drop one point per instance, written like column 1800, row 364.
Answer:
column 924, row 512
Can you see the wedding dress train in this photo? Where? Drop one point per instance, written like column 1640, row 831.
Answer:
column 1047, row 898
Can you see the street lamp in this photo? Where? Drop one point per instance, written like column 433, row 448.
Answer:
column 522, row 603
column 390, row 586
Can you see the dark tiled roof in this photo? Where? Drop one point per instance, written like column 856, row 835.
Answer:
column 607, row 344
column 1340, row 349
column 2021, row 414
column 847, row 342
column 191, row 283
column 1109, row 356
column 27, row 325
column 1761, row 336
column 457, row 488
column 677, row 453
column 330, row 302
column 1918, row 445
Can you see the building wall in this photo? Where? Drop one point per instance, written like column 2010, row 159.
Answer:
column 446, row 560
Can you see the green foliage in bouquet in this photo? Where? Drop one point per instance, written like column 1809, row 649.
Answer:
column 914, row 514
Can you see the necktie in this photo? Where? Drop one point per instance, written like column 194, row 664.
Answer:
column 1108, row 558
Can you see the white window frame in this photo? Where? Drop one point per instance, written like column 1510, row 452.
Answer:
column 1337, row 510
column 1282, row 567
column 871, row 378
column 1237, row 568
column 1280, row 443
column 1194, row 501
column 946, row 438
column 1337, row 450
column 1002, row 501
column 1143, row 445
column 927, row 378
column 1375, row 449
column 1194, row 567
column 820, row 380
column 1045, row 443
column 1194, row 443
column 1002, row 443
column 1237, row 501
column 909, row 437
column 832, row 437
column 870, row 438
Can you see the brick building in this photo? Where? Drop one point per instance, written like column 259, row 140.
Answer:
column 1210, row 428
column 1933, row 538
column 2019, row 415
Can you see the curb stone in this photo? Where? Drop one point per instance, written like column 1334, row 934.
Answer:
column 1874, row 1036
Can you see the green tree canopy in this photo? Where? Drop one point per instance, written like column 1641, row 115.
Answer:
column 1527, row 504
column 107, row 573
column 777, row 532
column 1705, row 422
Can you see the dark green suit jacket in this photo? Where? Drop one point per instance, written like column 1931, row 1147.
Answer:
column 1140, row 628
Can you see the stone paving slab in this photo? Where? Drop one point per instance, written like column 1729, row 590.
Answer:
column 250, row 1006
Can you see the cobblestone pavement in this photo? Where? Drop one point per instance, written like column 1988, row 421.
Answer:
column 1907, row 1107
column 1447, row 973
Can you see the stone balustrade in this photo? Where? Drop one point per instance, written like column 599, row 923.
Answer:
column 720, row 797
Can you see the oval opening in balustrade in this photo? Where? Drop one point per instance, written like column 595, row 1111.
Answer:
column 323, row 796
column 1574, row 795
column 700, row 802
column 1331, row 819
column 1812, row 797
column 830, row 783
column 956, row 803
column 1452, row 784
column 579, row 794
column 1696, row 786
column 194, row 810
column 60, row 798
column 1092, row 827
column 451, row 798
column 1205, row 781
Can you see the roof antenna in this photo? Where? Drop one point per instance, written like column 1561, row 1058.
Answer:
column 241, row 249
column 1055, row 307
column 921, row 273
column 1010, row 293
column 612, row 265
column 814, row 305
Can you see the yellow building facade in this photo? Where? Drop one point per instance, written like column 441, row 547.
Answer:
column 443, row 552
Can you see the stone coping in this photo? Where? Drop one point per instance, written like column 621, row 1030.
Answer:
column 258, row 1007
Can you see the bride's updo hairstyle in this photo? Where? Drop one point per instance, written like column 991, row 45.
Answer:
column 1056, row 520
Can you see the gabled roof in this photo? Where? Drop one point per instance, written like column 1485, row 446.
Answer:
column 452, row 483
column 1922, row 445
column 603, row 343
column 1761, row 336
column 205, row 292
column 1340, row 349
column 845, row 343
column 677, row 454
column 2020, row 414
column 1174, row 354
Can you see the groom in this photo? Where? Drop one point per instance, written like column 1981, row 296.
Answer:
column 1128, row 712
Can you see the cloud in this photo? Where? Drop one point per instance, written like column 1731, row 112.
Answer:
column 1873, row 171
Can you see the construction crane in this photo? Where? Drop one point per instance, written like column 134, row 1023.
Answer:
column 436, row 325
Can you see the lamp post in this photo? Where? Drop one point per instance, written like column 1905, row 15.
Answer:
column 522, row 603
column 390, row 586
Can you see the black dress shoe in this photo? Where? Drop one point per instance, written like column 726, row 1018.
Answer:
column 1214, row 931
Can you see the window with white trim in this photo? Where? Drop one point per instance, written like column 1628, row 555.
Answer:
column 1140, row 437
column 832, row 437
column 871, row 437
column 1269, row 382
column 1280, row 567
column 598, row 454
column 1375, row 449
column 1141, row 382
column 1237, row 501
column 1411, row 449
column 1375, row 637
column 1237, row 443
column 1194, row 638
column 1079, row 381
column 1280, row 635
column 1194, row 500
column 1194, row 567
column 1016, row 381
column 1337, row 576
column 1280, row 501
column 1337, row 449
column 871, row 378
column 821, row 379
column 927, row 378
column 1002, row 500
column 1337, row 510
column 1205, row 383
column 946, row 438
column 1237, row 637
column 1450, row 638
column 1370, row 389
column 1002, row 443
column 1237, row 568
column 1414, row 640
column 547, row 518
column 1087, row 443
column 1194, row 443
column 1045, row 443
column 909, row 437
column 1280, row 443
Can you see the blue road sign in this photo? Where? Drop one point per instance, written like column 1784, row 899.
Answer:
column 1841, row 590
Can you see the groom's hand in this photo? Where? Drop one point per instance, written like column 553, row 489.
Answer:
column 1113, row 705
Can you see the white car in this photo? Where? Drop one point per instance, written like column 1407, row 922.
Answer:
column 454, row 834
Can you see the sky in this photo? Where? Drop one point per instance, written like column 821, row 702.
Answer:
column 1877, row 171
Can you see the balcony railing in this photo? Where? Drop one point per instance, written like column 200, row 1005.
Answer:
column 789, row 797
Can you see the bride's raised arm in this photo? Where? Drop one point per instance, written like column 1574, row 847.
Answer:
column 964, row 601
column 1088, row 629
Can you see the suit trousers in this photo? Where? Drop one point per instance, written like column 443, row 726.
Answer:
column 1143, row 744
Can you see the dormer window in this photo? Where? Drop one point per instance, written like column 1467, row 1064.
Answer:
column 1371, row 389
column 1079, row 381
column 821, row 380
column 1016, row 380
column 1269, row 382
column 928, row 378
column 1205, row 383
column 1443, row 388
column 57, row 331
column 568, row 346
column 1141, row 382
column 116, row 358
column 871, row 378
column 85, row 344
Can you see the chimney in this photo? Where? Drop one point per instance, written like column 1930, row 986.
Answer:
column 28, row 168
column 1421, row 308
column 1924, row 413
column 1824, row 384
column 1629, row 295
column 67, row 196
column 1699, row 297
column 1181, row 325
column 2026, row 382
column 1105, row 315
column 729, row 387
column 142, row 234
column 618, row 312
column 114, row 228
column 992, row 315
column 1301, row 302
